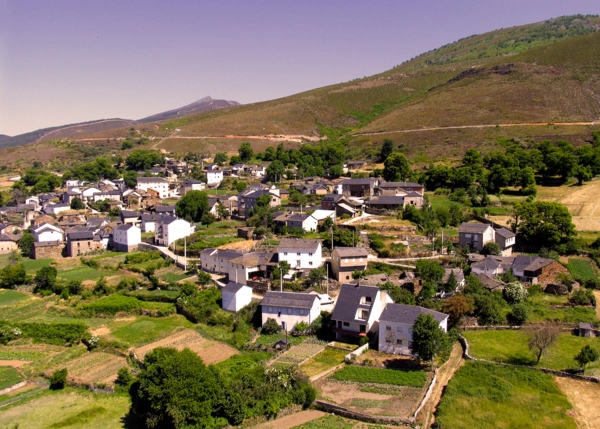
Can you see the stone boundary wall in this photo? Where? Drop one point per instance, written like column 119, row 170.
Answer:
column 13, row 387
column 427, row 395
column 467, row 355
column 350, row 357
column 565, row 327
column 344, row 412
column 326, row 372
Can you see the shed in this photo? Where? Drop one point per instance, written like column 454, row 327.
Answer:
column 585, row 329
column 236, row 296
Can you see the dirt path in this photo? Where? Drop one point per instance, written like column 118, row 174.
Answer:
column 597, row 295
column 462, row 127
column 583, row 395
column 297, row 138
column 291, row 420
column 445, row 373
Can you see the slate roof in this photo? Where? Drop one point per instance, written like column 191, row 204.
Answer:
column 351, row 252
column 395, row 185
column 167, row 220
column 490, row 283
column 164, row 209
column 413, row 194
column 407, row 314
column 129, row 213
column 297, row 217
column 125, row 227
column 458, row 274
column 506, row 233
column 233, row 287
column 6, row 237
column 225, row 254
column 43, row 243
column 289, row 299
column 298, row 244
column 82, row 235
column 192, row 182
column 332, row 198
column 584, row 325
column 387, row 200
column 349, row 301
column 473, row 227
column 151, row 179
column 370, row 182
column 530, row 263
column 253, row 259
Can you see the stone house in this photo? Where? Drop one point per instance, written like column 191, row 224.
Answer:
column 361, row 188
column 48, row 249
column 83, row 242
column 345, row 260
column 8, row 243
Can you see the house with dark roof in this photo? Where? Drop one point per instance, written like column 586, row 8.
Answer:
column 354, row 165
column 357, row 187
column 357, row 310
column 459, row 275
column 250, row 199
column 158, row 184
column 235, row 296
column 346, row 260
column 506, row 239
column 396, row 323
column 490, row 283
column 400, row 188
column 165, row 210
column 131, row 217
column 83, row 242
column 303, row 221
column 290, row 308
column 48, row 232
column 169, row 229
column 191, row 185
column 254, row 266
column 474, row 235
column 8, row 243
column 126, row 238
column 217, row 261
column 300, row 253
column 386, row 202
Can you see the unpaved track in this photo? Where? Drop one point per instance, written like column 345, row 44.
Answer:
column 597, row 295
column 463, row 127
column 291, row 420
column 445, row 373
column 583, row 395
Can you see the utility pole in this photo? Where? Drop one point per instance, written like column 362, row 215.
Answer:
column 327, row 279
column 184, row 253
column 280, row 279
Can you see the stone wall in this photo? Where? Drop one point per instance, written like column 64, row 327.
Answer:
column 54, row 251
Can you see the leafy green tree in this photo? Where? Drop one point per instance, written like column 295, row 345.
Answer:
column 192, row 206
column 386, row 149
column 12, row 276
column 515, row 292
column 282, row 270
column 221, row 158
column 587, row 355
column 271, row 327
column 490, row 248
column 543, row 223
column 429, row 270
column 77, row 204
column 240, row 186
column 336, row 171
column 246, row 152
column 174, row 390
column 275, row 170
column 222, row 211
column 451, row 284
column 130, row 179
column 518, row 314
column 316, row 275
column 582, row 174
column 45, row 278
column 143, row 159
column 26, row 244
column 124, row 377
column 204, row 278
column 396, row 167
column 208, row 218
column 427, row 338
column 58, row 379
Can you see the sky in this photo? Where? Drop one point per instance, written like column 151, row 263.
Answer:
column 69, row 61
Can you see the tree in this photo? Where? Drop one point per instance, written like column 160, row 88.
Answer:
column 58, row 379
column 222, row 211
column 12, row 276
column 221, row 158
column 543, row 223
column 490, row 248
column 316, row 275
column 45, row 278
column 427, row 338
column 26, row 244
column 587, row 355
column 396, row 167
column 174, row 390
column 77, row 204
column 203, row 278
column 456, row 307
column 583, row 174
column 142, row 159
column 541, row 337
column 429, row 270
column 451, row 284
column 518, row 315
column 275, row 171
column 282, row 270
column 130, row 179
column 208, row 218
column 271, row 327
column 386, row 149
column 192, row 206
column 515, row 292
column 124, row 377
column 246, row 152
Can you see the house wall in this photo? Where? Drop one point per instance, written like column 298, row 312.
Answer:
column 476, row 240
column 172, row 232
column 488, row 272
column 239, row 273
column 44, row 252
column 396, row 337
column 214, row 177
column 127, row 241
column 82, row 247
column 7, row 246
column 290, row 316
column 161, row 188
column 236, row 301
column 301, row 258
column 50, row 236
column 342, row 268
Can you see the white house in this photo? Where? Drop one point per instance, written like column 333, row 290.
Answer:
column 357, row 310
column 48, row 232
column 87, row 194
column 214, row 177
column 73, row 182
column 290, row 308
column 33, row 200
column 107, row 195
column 169, row 229
column 149, row 222
column 157, row 184
column 126, row 238
column 236, row 296
column 300, row 253
column 250, row 266
column 217, row 261
column 302, row 221
column 320, row 215
column 191, row 185
column 396, row 323
column 56, row 208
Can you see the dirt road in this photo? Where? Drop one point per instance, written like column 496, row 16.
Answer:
column 583, row 395
column 291, row 420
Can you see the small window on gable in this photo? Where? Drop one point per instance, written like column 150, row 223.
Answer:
column 346, row 324
column 388, row 328
column 399, row 342
column 368, row 299
column 346, row 260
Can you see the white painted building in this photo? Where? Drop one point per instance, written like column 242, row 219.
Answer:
column 170, row 229
column 214, row 177
column 249, row 266
column 396, row 323
column 126, row 238
column 217, row 261
column 47, row 232
column 191, row 185
column 56, row 208
column 235, row 296
column 87, row 194
column 290, row 308
column 300, row 253
column 157, row 184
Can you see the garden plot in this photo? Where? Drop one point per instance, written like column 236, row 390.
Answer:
column 19, row 355
column 209, row 351
column 298, row 354
column 92, row 368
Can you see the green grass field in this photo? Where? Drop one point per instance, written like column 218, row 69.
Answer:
column 325, row 360
column 328, row 422
column 511, row 347
column 539, row 306
column 69, row 408
column 83, row 273
column 145, row 330
column 362, row 374
column 581, row 269
column 488, row 396
column 36, row 264
column 9, row 377
column 9, row 297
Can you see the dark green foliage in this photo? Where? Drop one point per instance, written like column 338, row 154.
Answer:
column 583, row 296
column 113, row 304
column 427, row 337
column 77, row 204
column 192, row 206
column 50, row 333
column 396, row 167
column 221, row 158
column 45, row 278
column 429, row 270
column 386, row 149
column 490, row 248
column 102, row 287
column 245, row 151
column 26, row 244
column 142, row 159
column 58, row 379
column 204, row 278
column 271, row 327
column 587, row 355
column 124, row 377
column 398, row 293
column 93, row 171
column 204, row 307
column 542, row 223
column 518, row 314
column 12, row 276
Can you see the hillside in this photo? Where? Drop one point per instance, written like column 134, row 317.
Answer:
column 206, row 103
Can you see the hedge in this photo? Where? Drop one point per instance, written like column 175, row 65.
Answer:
column 50, row 333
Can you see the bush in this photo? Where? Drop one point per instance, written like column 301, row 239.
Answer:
column 50, row 333
column 583, row 296
column 113, row 304
column 58, row 379
column 271, row 327
column 515, row 292
column 518, row 315
column 301, row 327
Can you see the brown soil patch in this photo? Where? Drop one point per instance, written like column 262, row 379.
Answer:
column 100, row 331
column 88, row 284
column 125, row 319
column 241, row 245
column 209, row 351
column 292, row 420
column 93, row 368
column 583, row 395
column 28, row 386
column 597, row 295
column 14, row 363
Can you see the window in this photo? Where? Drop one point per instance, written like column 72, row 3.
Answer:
column 387, row 340
column 346, row 324
column 310, row 263
column 285, row 253
column 302, row 312
column 298, row 253
column 310, row 254
column 347, row 277
column 388, row 328
column 399, row 329
column 368, row 299
column 346, row 260
column 353, row 259
column 360, row 259
column 399, row 342
column 364, row 314
column 290, row 311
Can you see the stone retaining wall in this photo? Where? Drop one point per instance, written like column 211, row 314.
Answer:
column 13, row 387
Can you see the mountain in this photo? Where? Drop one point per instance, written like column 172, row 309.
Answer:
column 206, row 103
column 103, row 127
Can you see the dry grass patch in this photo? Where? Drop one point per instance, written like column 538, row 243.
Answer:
column 584, row 397
column 92, row 368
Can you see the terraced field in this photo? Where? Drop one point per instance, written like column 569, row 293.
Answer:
column 93, row 368
column 298, row 354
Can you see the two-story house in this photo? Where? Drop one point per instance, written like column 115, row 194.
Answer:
column 214, row 177
column 255, row 266
column 300, row 253
column 216, row 260
column 157, row 184
column 474, row 235
column 357, row 310
column 346, row 260
column 170, row 229
column 126, row 238
column 303, row 221
column 48, row 232
column 250, row 199
column 357, row 187
column 396, row 323
column 400, row 188
column 290, row 308
column 191, row 185
column 505, row 238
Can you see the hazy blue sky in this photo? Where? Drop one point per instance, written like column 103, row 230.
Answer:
column 64, row 61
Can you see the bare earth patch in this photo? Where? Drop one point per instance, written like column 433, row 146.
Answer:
column 14, row 363
column 93, row 368
column 100, row 331
column 239, row 245
column 292, row 420
column 209, row 351
column 583, row 395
